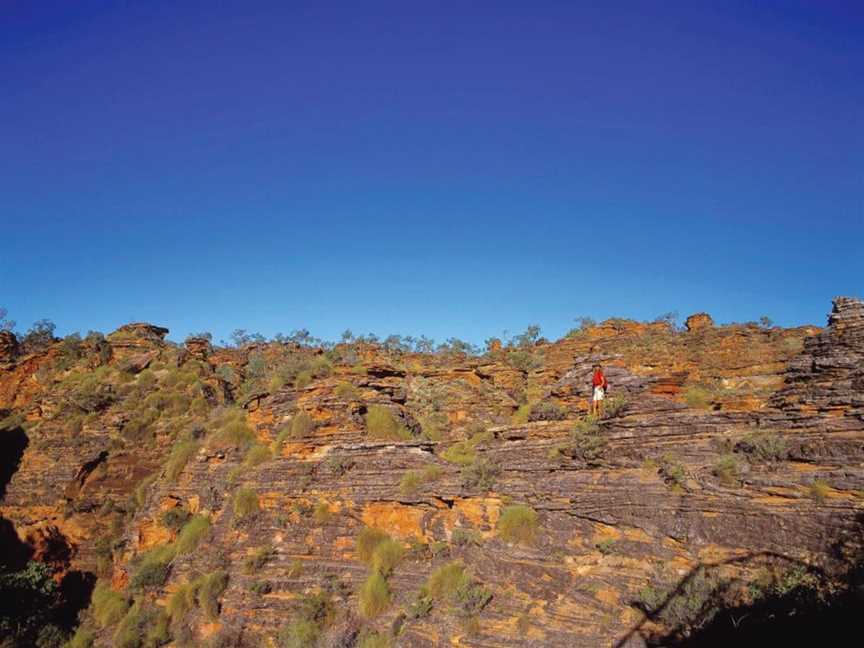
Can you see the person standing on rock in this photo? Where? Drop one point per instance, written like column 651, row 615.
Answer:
column 600, row 385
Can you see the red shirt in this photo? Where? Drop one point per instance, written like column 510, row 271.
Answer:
column 599, row 379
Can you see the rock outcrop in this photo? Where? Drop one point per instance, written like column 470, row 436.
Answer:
column 198, row 348
column 698, row 321
column 730, row 456
column 8, row 346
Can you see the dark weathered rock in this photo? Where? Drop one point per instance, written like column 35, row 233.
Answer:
column 827, row 376
column 699, row 321
column 8, row 346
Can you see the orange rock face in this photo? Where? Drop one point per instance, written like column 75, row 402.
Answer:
column 727, row 456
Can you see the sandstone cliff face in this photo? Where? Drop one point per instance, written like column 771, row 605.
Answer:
column 728, row 455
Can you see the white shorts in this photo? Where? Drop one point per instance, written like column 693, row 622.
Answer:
column 599, row 393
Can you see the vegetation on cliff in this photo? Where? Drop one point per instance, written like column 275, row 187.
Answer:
column 381, row 492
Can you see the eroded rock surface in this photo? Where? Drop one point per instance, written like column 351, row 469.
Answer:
column 734, row 449
column 8, row 346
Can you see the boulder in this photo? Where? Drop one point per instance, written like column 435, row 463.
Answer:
column 8, row 346
column 133, row 343
column 699, row 321
column 198, row 348
column 141, row 330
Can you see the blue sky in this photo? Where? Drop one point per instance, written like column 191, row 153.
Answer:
column 448, row 169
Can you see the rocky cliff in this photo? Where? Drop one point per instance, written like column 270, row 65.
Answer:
column 281, row 494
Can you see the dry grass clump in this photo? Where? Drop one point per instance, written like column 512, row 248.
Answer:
column 246, row 503
column 518, row 524
column 374, row 596
column 383, row 426
column 413, row 479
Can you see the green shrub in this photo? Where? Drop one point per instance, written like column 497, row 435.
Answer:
column 226, row 373
column 301, row 633
column 374, row 640
column 318, row 608
column 321, row 367
column 518, row 524
column 434, row 425
column 152, row 567
column 175, row 518
column 257, row 455
column 322, row 513
column 83, row 638
column 464, row 452
column 199, row 406
column 261, row 587
column 144, row 626
column 413, row 479
column 295, row 569
column 764, row 447
column 480, row 473
column 157, row 631
column 12, row 421
column 680, row 605
column 260, row 557
column 471, row 599
column 128, row 633
column 698, row 397
column 283, row 433
column 275, row 383
column 672, row 473
column 421, row 606
column 383, row 426
column 179, row 457
column 367, row 541
column 588, row 443
column 461, row 452
column 339, row 464
column 587, row 426
column 138, row 427
column 139, row 495
column 819, row 490
column 445, row 580
column 520, row 416
column 524, row 360
column 303, row 379
column 181, row 601
column 210, row 588
column 453, row 584
column 726, row 469
column 614, row 405
column 387, row 555
column 191, row 534
column 346, row 391
column 246, row 503
column 107, row 605
column 235, row 433
column 465, row 537
column 91, row 394
column 546, row 411
column 301, row 425
column 606, row 547
column 374, row 597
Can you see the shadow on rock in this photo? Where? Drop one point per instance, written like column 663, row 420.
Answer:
column 782, row 601
column 13, row 443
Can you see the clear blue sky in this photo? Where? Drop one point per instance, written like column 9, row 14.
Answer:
column 447, row 168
